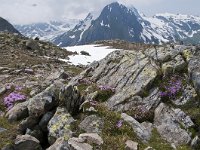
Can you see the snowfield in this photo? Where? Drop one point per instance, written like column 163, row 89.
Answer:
column 97, row 52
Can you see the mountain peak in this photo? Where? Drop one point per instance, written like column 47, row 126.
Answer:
column 124, row 5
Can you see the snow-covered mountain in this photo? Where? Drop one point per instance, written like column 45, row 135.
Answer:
column 171, row 27
column 47, row 30
column 117, row 21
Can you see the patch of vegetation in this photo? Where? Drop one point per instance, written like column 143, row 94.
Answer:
column 82, row 88
column 114, row 137
column 184, row 147
column 172, row 87
column 26, row 91
column 8, row 136
column 75, row 126
column 103, row 95
column 157, row 142
column 73, row 69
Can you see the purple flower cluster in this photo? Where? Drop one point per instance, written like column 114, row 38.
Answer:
column 93, row 103
column 119, row 123
column 172, row 88
column 13, row 96
column 18, row 88
column 85, row 81
column 9, row 86
column 106, row 88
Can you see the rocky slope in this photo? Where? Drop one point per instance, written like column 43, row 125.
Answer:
column 144, row 98
column 6, row 26
column 117, row 21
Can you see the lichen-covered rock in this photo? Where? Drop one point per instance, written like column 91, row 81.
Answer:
column 71, row 98
column 27, row 142
column 187, row 95
column 44, row 101
column 58, row 74
column 18, row 112
column 176, row 65
column 60, row 144
column 188, row 54
column 59, row 125
column 129, row 72
column 194, row 72
column 160, row 54
column 170, row 123
column 78, row 144
column 92, row 124
column 142, row 132
column 91, row 138
column 149, row 103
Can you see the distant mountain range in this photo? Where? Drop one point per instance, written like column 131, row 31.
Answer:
column 5, row 26
column 117, row 21
column 47, row 30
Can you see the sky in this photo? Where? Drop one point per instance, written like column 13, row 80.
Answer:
column 32, row 11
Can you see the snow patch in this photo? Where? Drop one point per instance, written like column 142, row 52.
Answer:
column 72, row 37
column 97, row 52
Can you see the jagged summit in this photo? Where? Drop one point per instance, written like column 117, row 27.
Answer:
column 115, row 21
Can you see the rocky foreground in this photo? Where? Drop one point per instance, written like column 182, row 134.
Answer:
column 144, row 98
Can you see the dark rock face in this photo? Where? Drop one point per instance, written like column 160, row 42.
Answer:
column 71, row 99
column 5, row 26
column 115, row 22
column 45, row 120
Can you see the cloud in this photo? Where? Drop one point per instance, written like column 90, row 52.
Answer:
column 25, row 11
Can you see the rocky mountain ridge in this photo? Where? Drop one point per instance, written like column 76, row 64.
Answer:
column 146, row 97
column 5, row 26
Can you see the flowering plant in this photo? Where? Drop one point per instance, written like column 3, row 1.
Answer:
column 106, row 88
column 13, row 97
column 85, row 81
column 119, row 123
column 172, row 87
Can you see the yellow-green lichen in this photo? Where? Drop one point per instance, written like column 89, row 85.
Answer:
column 187, row 54
column 167, row 68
